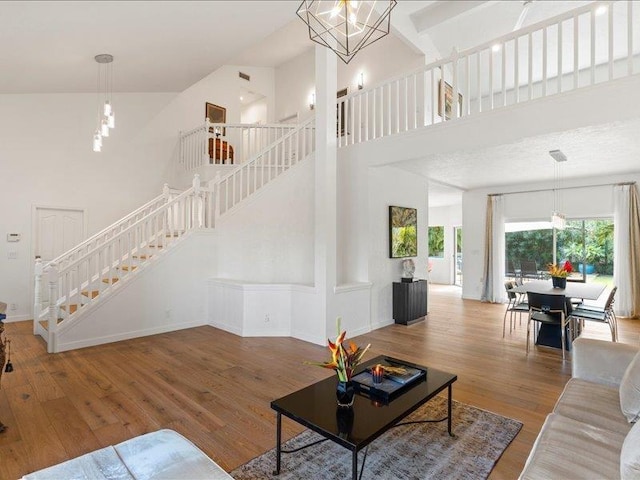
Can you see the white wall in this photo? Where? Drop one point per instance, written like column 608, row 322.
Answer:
column 255, row 112
column 295, row 79
column 448, row 217
column 577, row 203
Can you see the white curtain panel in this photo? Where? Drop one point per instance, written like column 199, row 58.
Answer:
column 622, row 249
column 493, row 286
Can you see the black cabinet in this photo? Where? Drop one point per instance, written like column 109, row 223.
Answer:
column 409, row 301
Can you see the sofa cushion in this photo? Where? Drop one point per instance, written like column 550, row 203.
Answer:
column 567, row 448
column 630, row 390
column 102, row 464
column 167, row 455
column 592, row 403
column 630, row 456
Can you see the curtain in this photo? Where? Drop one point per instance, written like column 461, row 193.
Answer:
column 626, row 251
column 494, row 262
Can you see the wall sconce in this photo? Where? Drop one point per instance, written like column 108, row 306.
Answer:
column 217, row 132
column 361, row 81
column 312, row 101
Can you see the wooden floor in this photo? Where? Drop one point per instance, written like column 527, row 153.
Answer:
column 215, row 388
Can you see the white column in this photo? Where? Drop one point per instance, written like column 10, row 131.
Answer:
column 325, row 187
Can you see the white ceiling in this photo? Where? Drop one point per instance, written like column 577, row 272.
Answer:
column 159, row 46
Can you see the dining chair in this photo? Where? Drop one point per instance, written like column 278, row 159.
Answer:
column 550, row 310
column 601, row 315
column 529, row 269
column 514, row 305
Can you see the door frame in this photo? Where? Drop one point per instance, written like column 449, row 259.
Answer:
column 32, row 249
column 455, row 255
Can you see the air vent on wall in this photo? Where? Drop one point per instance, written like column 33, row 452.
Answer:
column 244, row 76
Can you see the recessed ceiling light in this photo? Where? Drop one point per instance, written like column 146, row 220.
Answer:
column 496, row 47
column 241, row 98
column 601, row 10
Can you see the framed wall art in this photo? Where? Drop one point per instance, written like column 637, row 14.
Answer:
column 403, row 232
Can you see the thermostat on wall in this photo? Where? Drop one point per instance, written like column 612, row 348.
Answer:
column 13, row 237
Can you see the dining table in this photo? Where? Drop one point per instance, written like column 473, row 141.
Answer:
column 551, row 335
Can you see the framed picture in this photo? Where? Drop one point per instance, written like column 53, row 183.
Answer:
column 448, row 100
column 403, row 232
column 216, row 114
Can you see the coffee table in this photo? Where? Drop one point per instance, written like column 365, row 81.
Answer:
column 315, row 407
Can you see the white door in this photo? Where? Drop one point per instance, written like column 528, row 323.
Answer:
column 57, row 230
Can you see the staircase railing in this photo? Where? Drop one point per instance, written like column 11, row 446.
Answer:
column 272, row 161
column 226, row 143
column 570, row 51
column 109, row 258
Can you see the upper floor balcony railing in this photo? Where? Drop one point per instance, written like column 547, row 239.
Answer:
column 596, row 43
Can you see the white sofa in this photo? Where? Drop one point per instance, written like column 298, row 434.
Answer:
column 593, row 432
column 161, row 455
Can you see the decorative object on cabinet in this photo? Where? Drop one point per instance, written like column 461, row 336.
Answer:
column 403, row 232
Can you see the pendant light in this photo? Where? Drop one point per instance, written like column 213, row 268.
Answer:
column 106, row 115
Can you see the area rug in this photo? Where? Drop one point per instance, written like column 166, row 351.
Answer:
column 419, row 451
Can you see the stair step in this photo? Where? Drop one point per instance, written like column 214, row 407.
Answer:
column 127, row 268
column 155, row 246
column 45, row 324
column 143, row 257
column 72, row 308
column 174, row 234
column 92, row 293
column 110, row 280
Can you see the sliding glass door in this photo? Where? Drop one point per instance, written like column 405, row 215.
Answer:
column 586, row 243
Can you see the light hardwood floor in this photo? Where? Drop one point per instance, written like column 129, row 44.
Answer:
column 215, row 387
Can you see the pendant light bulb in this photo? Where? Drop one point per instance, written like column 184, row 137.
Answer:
column 107, row 108
column 111, row 120
column 104, row 128
column 97, row 142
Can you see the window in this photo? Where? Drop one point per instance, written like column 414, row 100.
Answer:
column 436, row 242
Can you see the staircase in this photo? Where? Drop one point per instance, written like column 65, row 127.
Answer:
column 72, row 285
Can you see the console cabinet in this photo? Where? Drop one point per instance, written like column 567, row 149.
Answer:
column 409, row 301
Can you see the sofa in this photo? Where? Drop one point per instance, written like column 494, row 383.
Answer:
column 593, row 431
column 161, row 455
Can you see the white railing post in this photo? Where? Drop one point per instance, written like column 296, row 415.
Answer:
column 37, row 292
column 205, row 141
column 197, row 210
column 216, row 199
column 52, row 319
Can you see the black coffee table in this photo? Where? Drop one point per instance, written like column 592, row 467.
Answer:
column 315, row 407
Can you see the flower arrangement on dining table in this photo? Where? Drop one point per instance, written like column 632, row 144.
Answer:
column 560, row 271
column 344, row 359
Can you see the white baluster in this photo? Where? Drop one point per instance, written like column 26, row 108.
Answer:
column 37, row 292
column 198, row 221
column 52, row 319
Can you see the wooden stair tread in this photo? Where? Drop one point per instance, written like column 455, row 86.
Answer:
column 142, row 257
column 45, row 323
column 72, row 308
column 127, row 268
column 110, row 280
column 155, row 246
column 92, row 293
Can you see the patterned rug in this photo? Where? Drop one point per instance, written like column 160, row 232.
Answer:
column 411, row 452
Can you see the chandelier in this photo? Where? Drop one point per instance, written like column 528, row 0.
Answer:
column 346, row 26
column 106, row 116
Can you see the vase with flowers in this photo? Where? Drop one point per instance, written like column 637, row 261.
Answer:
column 559, row 274
column 344, row 360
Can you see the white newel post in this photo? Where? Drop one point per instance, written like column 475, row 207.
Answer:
column 197, row 209
column 53, row 308
column 205, row 142
column 37, row 292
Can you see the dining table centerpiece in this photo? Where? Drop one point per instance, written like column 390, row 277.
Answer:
column 559, row 274
column 344, row 360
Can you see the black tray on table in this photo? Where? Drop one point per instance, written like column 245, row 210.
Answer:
column 388, row 389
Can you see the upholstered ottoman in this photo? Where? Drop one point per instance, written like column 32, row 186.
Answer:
column 161, row 455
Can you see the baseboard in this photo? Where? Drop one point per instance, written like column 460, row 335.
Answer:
column 17, row 318
column 377, row 325
column 62, row 347
column 309, row 338
column 227, row 327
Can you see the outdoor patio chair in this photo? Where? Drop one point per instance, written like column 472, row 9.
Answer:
column 529, row 269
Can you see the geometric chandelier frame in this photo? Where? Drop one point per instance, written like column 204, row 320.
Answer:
column 346, row 26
